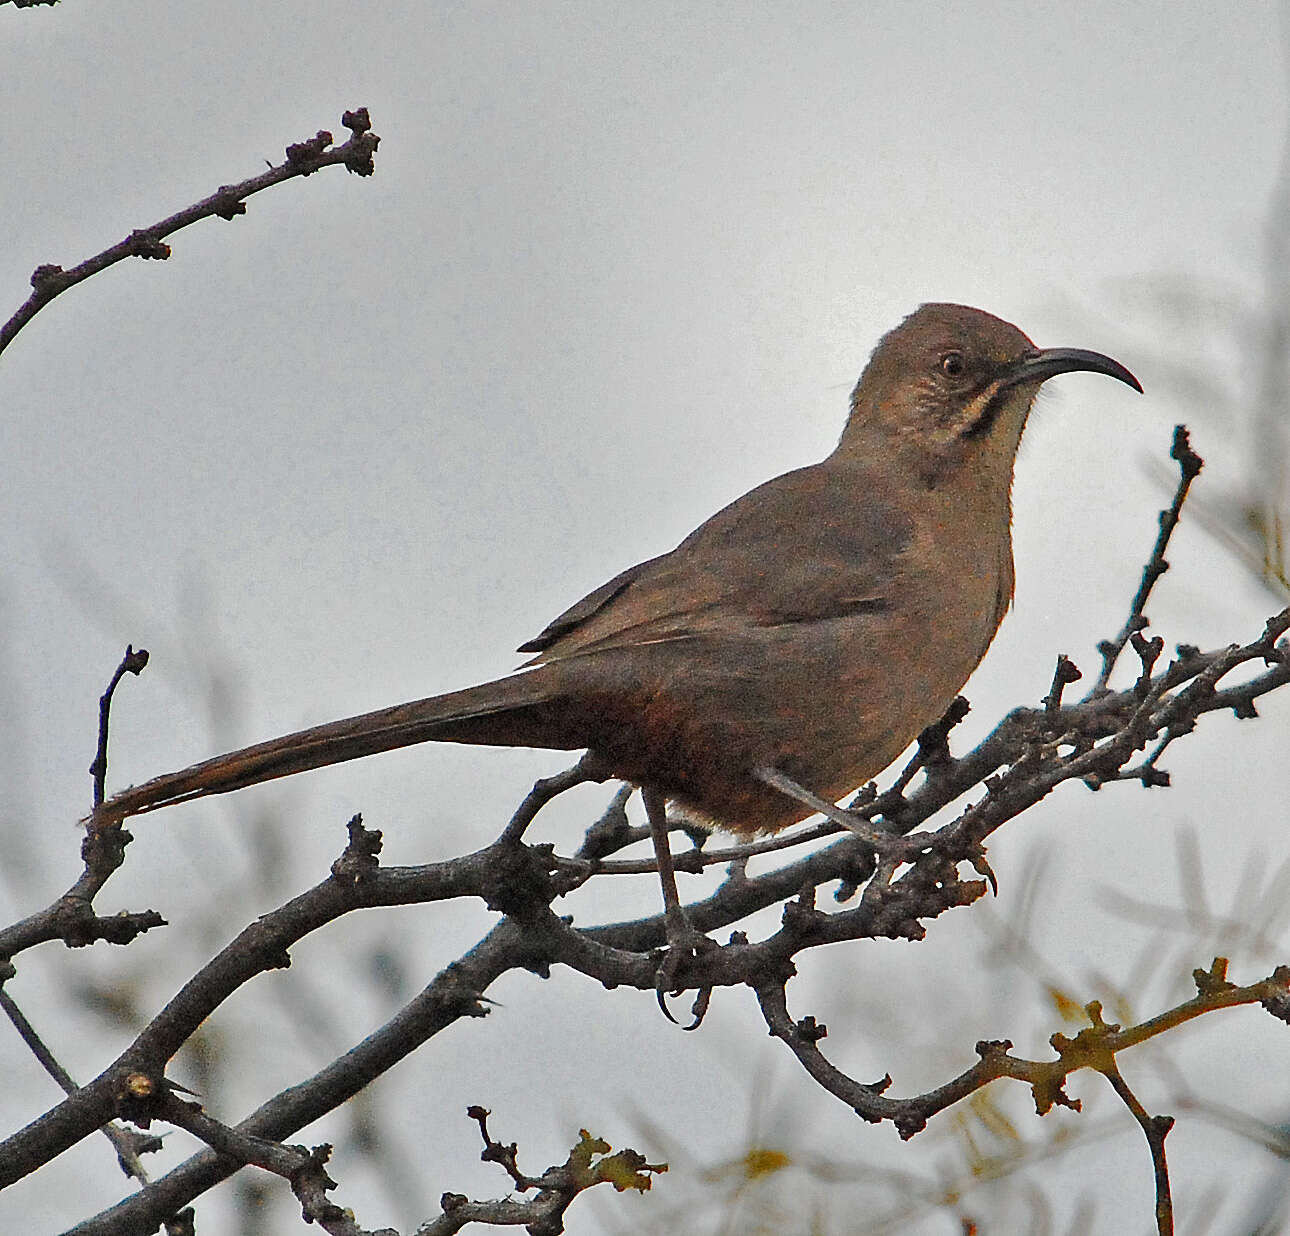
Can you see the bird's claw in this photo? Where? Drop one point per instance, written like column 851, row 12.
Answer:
column 682, row 946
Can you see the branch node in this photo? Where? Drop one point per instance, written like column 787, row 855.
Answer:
column 933, row 742
column 1189, row 463
column 1065, row 673
column 1214, row 980
column 301, row 154
column 1153, row 777
column 228, row 205
column 357, row 121
column 812, row 1031
column 359, row 858
column 145, row 244
column 103, row 852
column 1277, row 999
column 48, row 279
column 907, row 1125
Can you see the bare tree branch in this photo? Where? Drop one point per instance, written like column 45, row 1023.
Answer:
column 1093, row 739
column 227, row 202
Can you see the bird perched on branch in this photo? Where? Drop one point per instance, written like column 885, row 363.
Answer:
column 790, row 647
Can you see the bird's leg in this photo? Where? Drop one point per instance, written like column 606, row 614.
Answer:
column 683, row 939
column 674, row 916
column 881, row 841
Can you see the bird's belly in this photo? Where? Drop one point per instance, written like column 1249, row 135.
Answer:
column 831, row 703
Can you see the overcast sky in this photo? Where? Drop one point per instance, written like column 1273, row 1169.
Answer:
column 618, row 263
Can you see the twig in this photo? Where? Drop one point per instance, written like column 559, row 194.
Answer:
column 590, row 1163
column 132, row 663
column 1189, row 466
column 589, row 768
column 1156, row 1129
column 933, row 750
column 127, row 1144
column 1065, row 673
column 496, row 1152
column 1094, row 1047
column 71, row 917
column 302, row 1168
column 303, row 159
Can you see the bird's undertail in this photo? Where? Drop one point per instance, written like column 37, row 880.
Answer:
column 522, row 710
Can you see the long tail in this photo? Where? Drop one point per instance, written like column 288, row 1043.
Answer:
column 523, row 710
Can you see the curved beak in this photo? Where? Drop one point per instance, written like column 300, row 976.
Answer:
column 1048, row 362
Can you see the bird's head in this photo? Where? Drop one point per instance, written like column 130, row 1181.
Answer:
column 952, row 384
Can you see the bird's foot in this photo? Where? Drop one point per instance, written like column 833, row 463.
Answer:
column 684, row 943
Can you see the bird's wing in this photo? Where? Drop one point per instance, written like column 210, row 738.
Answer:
column 581, row 611
column 811, row 545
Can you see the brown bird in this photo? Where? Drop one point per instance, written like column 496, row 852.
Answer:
column 804, row 635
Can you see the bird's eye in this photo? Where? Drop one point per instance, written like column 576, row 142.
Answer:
column 952, row 364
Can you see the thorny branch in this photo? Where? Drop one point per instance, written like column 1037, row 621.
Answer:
column 1104, row 737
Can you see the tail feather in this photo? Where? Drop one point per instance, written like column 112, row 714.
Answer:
column 521, row 710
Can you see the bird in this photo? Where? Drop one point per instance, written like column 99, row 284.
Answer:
column 789, row 648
